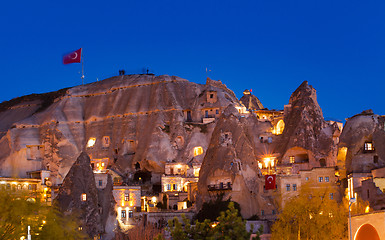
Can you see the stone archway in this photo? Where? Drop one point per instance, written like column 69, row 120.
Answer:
column 366, row 232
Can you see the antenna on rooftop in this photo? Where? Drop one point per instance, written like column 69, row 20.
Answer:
column 147, row 70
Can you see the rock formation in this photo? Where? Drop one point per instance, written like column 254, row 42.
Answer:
column 147, row 119
column 359, row 131
column 79, row 195
column 230, row 165
column 250, row 101
column 134, row 124
column 306, row 131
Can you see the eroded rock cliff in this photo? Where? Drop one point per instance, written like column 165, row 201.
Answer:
column 307, row 131
column 78, row 195
column 135, row 120
column 230, row 165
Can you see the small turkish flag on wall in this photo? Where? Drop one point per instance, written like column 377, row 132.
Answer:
column 269, row 182
column 73, row 57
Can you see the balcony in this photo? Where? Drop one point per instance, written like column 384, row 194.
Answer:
column 219, row 187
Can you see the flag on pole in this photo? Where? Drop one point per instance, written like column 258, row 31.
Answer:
column 269, row 182
column 73, row 57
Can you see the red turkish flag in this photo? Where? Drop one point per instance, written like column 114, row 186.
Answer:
column 73, row 57
column 269, row 182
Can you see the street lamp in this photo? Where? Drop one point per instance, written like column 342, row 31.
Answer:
column 351, row 201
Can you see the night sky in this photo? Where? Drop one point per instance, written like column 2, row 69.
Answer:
column 269, row 46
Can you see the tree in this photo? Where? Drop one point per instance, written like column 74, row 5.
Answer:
column 19, row 211
column 212, row 209
column 229, row 225
column 311, row 215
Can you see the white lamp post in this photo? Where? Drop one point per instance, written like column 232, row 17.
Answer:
column 351, row 201
column 29, row 233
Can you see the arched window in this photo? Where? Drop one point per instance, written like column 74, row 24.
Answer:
column 279, row 127
column 367, row 231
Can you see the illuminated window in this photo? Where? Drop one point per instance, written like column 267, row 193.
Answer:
column 292, row 159
column 369, row 146
column 326, row 179
column 279, row 127
column 320, row 179
column 130, row 214
column 126, row 197
column 84, row 197
column 106, row 141
column 91, row 142
column 196, row 172
column 123, row 215
column 168, row 187
column 198, row 151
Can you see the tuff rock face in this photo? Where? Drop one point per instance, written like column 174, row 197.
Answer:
column 231, row 161
column 362, row 128
column 95, row 208
column 250, row 101
column 149, row 120
column 306, row 128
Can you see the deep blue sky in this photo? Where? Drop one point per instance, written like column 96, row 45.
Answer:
column 269, row 46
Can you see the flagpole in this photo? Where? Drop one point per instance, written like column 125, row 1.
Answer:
column 82, row 67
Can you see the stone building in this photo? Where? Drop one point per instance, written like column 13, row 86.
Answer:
column 128, row 205
column 179, row 184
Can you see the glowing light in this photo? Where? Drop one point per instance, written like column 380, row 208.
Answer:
column 267, row 161
column 367, row 209
column 153, row 199
column 198, row 151
column 260, row 165
column 278, row 129
column 196, row 172
column 84, row 197
column 91, row 142
column 44, row 222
